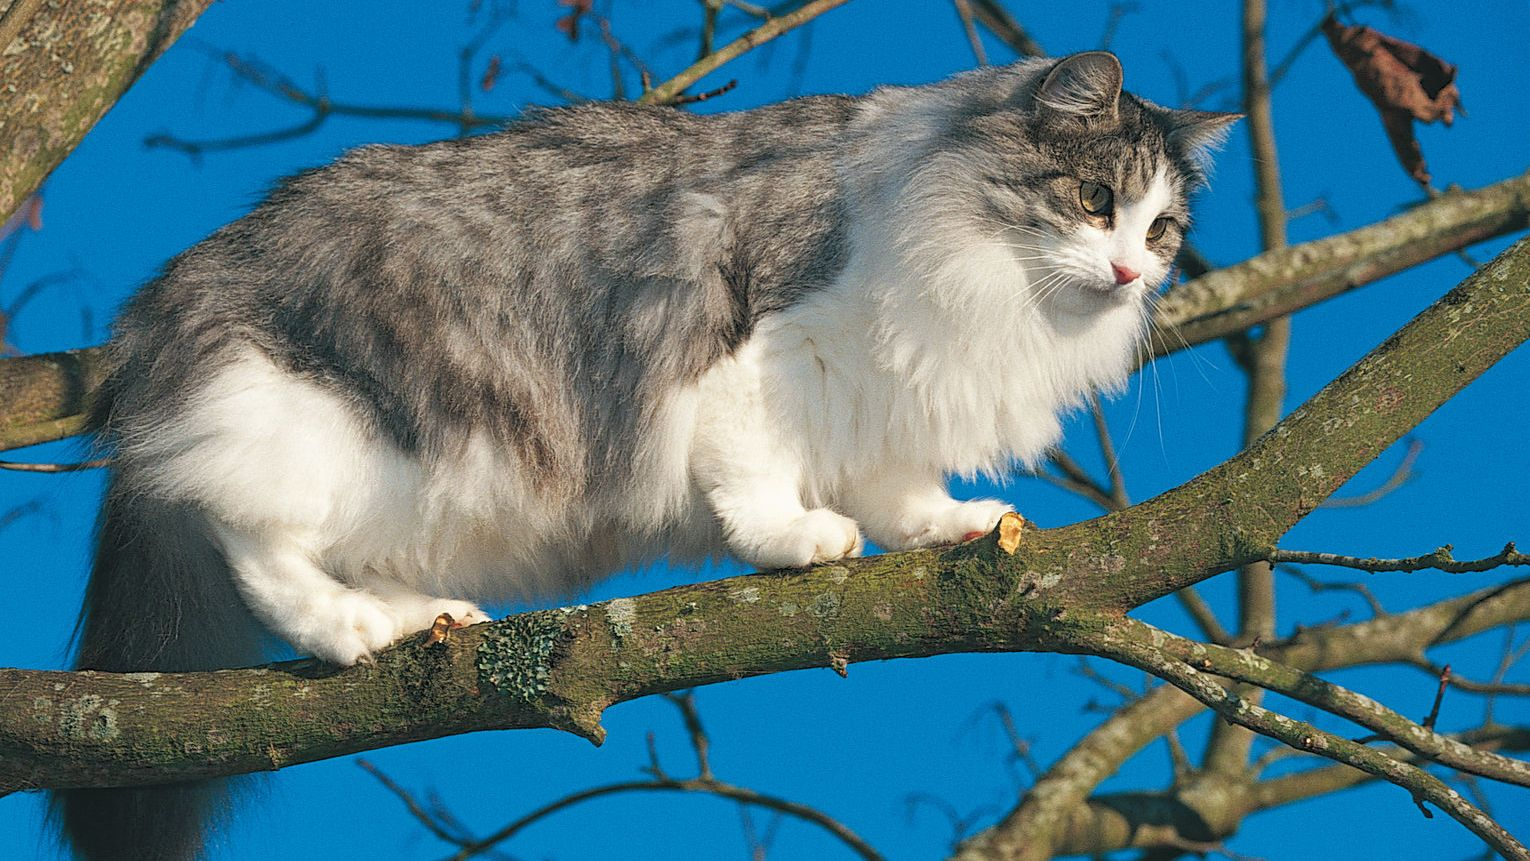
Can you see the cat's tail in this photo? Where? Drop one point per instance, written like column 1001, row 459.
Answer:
column 161, row 598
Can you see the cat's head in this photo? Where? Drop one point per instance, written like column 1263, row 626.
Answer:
column 1087, row 185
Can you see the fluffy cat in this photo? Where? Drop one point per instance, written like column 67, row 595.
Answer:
column 501, row 366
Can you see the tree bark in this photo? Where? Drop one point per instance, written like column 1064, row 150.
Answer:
column 62, row 66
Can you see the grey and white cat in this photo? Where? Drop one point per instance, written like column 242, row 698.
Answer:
column 423, row 377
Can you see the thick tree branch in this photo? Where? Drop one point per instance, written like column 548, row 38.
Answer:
column 63, row 65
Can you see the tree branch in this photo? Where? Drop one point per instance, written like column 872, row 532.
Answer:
column 1059, row 817
column 64, row 64
column 1234, row 298
column 1126, row 641
column 1440, row 560
column 669, row 91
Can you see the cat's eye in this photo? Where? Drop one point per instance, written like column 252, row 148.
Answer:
column 1096, row 199
column 1157, row 228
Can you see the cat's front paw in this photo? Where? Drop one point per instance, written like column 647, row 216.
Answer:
column 956, row 522
column 817, row 536
column 352, row 628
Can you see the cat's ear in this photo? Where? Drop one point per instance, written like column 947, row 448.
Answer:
column 1084, row 86
column 1197, row 133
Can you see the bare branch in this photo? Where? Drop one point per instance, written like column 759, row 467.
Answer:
column 1440, row 560
column 667, row 92
column 1425, row 787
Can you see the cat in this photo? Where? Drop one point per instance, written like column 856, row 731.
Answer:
column 501, row 366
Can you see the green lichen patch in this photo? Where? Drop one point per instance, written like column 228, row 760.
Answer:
column 516, row 655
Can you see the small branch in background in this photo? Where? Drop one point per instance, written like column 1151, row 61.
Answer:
column 667, row 92
column 17, row 466
column 1086, row 671
column 1423, row 786
column 467, row 55
column 709, row 10
column 1511, row 656
column 444, row 831
column 969, row 26
column 1019, row 745
column 322, row 108
column 1399, row 477
column 546, row 84
column 448, row 830
column 1440, row 560
column 17, row 512
column 1204, row 617
column 1493, row 688
column 1316, row 586
column 1118, row 11
column 1075, row 479
column 961, row 824
column 997, row 20
column 1317, row 206
column 1439, row 698
column 1118, row 495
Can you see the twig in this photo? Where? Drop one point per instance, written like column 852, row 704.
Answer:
column 425, row 817
column 1439, row 697
column 1316, row 585
column 1113, row 22
column 686, row 703
column 704, row 787
column 18, row 466
column 1440, row 559
column 1075, row 479
column 997, row 20
column 1118, row 493
column 322, row 107
column 1086, row 671
column 667, row 92
column 964, row 12
column 1468, row 685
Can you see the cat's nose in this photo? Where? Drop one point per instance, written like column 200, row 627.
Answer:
column 1124, row 274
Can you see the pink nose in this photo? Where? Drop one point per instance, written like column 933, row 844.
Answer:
column 1124, row 274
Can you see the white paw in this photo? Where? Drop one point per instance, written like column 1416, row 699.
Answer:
column 819, row 535
column 349, row 629
column 953, row 523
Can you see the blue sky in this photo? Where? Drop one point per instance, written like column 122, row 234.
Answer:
column 860, row 747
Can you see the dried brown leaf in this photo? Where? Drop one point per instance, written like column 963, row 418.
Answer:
column 1404, row 81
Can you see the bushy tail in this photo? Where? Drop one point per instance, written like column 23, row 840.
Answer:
column 160, row 598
